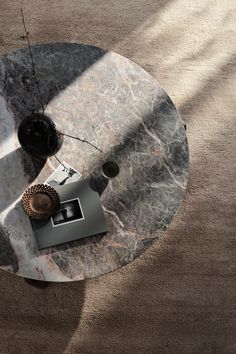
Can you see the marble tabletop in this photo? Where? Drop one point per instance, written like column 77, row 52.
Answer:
column 116, row 105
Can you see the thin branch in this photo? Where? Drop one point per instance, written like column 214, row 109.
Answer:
column 26, row 37
column 32, row 59
column 75, row 137
column 28, row 89
column 61, row 163
column 82, row 140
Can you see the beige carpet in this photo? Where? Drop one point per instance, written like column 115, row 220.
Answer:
column 180, row 296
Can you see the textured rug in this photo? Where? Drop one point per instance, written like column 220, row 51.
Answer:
column 180, row 295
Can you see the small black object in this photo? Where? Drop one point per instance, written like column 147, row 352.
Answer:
column 110, row 169
column 98, row 183
column 39, row 135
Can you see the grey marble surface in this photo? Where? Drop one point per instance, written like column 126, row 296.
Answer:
column 116, row 105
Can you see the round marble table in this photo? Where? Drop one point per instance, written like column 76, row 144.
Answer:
column 116, row 105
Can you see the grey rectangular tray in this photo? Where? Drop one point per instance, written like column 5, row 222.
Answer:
column 80, row 215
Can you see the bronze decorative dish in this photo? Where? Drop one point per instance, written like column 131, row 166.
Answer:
column 40, row 201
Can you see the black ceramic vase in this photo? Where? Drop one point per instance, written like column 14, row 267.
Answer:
column 39, row 136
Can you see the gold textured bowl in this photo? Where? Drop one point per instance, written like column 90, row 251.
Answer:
column 40, row 201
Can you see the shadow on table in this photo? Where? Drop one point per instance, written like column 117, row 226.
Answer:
column 98, row 183
column 166, row 164
column 72, row 60
column 15, row 168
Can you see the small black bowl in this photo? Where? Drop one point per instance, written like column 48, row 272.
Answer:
column 39, row 136
column 110, row 169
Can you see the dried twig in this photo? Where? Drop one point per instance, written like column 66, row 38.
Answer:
column 66, row 168
column 26, row 37
column 82, row 140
